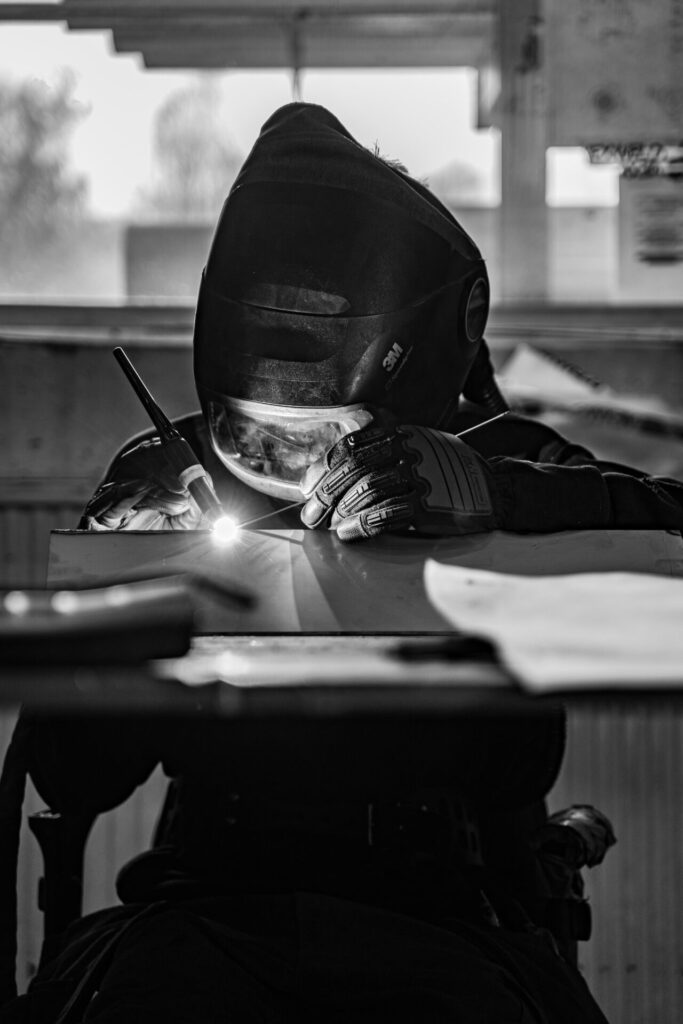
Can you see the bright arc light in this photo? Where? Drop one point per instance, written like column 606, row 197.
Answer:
column 225, row 530
column 17, row 602
column 65, row 602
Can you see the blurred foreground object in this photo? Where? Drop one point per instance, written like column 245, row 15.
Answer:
column 633, row 429
column 593, row 831
column 119, row 624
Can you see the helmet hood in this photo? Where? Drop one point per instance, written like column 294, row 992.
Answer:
column 334, row 278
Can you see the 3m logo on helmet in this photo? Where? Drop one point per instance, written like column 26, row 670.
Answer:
column 392, row 357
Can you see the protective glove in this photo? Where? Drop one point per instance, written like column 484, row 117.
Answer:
column 592, row 831
column 142, row 492
column 387, row 477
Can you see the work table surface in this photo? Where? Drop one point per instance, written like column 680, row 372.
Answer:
column 305, row 676
column 311, row 675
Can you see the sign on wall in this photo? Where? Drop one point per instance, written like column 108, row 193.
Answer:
column 651, row 239
column 615, row 71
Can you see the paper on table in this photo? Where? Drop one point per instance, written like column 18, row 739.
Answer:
column 568, row 632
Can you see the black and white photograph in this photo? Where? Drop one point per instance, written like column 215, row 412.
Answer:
column 341, row 512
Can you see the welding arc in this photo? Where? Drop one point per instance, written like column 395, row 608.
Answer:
column 274, row 512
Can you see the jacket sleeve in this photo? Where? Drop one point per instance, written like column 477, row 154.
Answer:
column 519, row 437
column 543, row 498
column 542, row 483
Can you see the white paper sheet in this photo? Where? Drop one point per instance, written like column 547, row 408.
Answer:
column 567, row 632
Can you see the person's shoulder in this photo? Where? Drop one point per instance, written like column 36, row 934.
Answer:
column 192, row 426
column 189, row 425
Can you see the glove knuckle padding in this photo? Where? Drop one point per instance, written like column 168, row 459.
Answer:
column 383, row 479
column 453, row 478
column 348, row 462
column 393, row 514
column 372, row 489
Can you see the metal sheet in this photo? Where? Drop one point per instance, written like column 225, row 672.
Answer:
column 309, row 581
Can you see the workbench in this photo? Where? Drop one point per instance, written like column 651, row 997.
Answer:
column 623, row 750
column 335, row 629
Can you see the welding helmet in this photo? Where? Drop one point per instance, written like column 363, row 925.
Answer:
column 335, row 283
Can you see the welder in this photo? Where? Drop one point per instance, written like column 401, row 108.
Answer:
column 338, row 347
column 411, row 873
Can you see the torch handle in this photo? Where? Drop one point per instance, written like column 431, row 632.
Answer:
column 159, row 418
column 192, row 475
column 178, row 452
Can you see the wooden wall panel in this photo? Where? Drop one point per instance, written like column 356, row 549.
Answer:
column 629, row 763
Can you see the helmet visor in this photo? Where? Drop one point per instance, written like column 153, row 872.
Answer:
column 270, row 447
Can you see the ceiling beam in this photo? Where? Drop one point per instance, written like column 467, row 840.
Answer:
column 275, row 51
column 263, row 34
column 389, row 26
column 406, row 41
column 102, row 13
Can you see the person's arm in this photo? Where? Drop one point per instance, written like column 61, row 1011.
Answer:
column 520, row 437
column 390, row 477
column 544, row 498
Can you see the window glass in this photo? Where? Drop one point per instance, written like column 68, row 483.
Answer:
column 112, row 176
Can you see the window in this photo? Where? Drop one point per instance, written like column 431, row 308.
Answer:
column 113, row 175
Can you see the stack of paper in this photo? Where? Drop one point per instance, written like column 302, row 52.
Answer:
column 612, row 629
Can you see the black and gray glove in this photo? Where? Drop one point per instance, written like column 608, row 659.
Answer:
column 592, row 832
column 389, row 477
column 142, row 492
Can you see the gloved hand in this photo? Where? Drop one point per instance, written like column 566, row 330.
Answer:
column 387, row 477
column 592, row 828
column 142, row 492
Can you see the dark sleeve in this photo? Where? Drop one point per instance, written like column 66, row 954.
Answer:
column 543, row 498
column 83, row 764
column 519, row 437
column 543, row 483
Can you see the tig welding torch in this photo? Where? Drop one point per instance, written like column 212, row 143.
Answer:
column 178, row 452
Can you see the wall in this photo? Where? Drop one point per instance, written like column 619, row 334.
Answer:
column 582, row 250
column 628, row 761
column 110, row 261
column 166, row 259
column 85, row 265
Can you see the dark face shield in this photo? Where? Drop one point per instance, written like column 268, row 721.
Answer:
column 270, row 447
column 333, row 282
column 412, row 361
